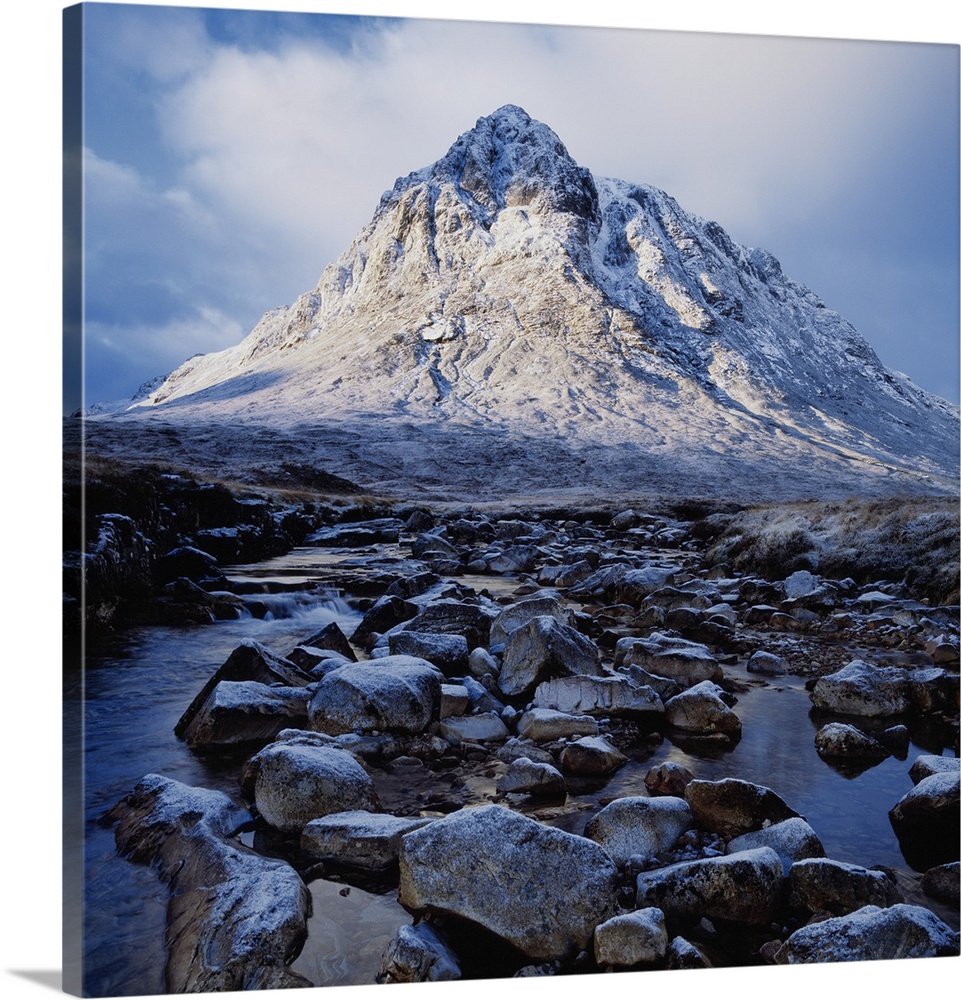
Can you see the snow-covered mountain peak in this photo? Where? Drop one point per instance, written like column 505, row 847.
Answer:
column 510, row 160
column 506, row 290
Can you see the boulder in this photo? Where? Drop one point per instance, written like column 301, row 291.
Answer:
column 667, row 778
column 296, row 784
column 484, row 728
column 591, row 756
column 681, row 954
column 528, row 777
column 515, row 748
column 544, row 648
column 418, row 954
column 766, row 664
column 859, row 688
column 488, row 865
column 839, row 740
column 250, row 661
column 447, row 652
column 820, row 884
column 793, row 840
column 331, row 637
column 355, row 534
column 870, row 934
column 384, row 614
column 732, row 807
column 454, row 700
column 927, row 764
column 742, row 888
column 544, row 725
column 941, row 882
column 636, row 825
column 239, row 713
column 359, row 838
column 926, row 820
column 480, row 661
column 638, row 938
column 392, row 693
column 234, row 918
column 617, row 696
column 516, row 615
column 702, row 710
column 470, row 619
column 686, row 662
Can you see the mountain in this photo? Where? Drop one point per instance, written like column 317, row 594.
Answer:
column 504, row 297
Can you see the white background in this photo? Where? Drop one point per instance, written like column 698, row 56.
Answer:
column 30, row 174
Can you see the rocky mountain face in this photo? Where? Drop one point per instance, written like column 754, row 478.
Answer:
column 506, row 298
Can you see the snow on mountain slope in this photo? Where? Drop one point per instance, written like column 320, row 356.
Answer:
column 505, row 291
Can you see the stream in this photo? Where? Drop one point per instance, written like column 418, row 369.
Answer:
column 137, row 685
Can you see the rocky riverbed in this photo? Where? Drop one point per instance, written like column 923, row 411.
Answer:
column 507, row 703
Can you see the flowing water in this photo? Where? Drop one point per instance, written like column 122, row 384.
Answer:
column 137, row 686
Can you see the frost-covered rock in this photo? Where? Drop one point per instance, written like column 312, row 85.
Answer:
column 235, row 917
column 839, row 740
column 528, row 777
column 459, row 866
column 544, row 725
column 793, row 839
column 819, row 884
column 859, row 688
column 515, row 615
column 296, row 784
column 666, row 656
column 766, row 664
column 638, row 938
column 732, row 807
column 869, row 934
column 243, row 712
column 447, row 652
column 484, row 728
column 668, row 778
column 702, row 710
column 393, row 693
column 927, row 820
column 250, row 661
column 591, row 756
column 598, row 696
column 359, row 837
column 544, row 648
column 418, row 954
column 636, row 825
column 744, row 887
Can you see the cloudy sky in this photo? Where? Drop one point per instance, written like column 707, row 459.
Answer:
column 230, row 155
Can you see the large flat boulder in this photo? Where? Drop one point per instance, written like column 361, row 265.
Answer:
column 822, row 884
column 489, row 866
column 359, row 838
column 618, row 696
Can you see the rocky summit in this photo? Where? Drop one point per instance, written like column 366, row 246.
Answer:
column 508, row 315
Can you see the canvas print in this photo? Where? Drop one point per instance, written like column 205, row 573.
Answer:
column 479, row 562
